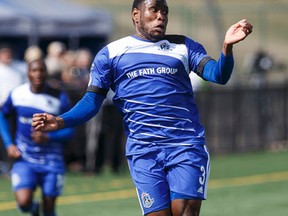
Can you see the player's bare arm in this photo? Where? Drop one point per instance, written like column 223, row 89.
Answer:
column 39, row 137
column 13, row 152
column 235, row 34
column 46, row 122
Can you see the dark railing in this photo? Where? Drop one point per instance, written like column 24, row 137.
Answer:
column 244, row 119
column 236, row 119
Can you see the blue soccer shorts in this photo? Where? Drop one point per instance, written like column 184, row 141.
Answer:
column 25, row 175
column 162, row 174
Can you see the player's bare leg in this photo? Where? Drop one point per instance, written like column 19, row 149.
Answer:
column 181, row 207
column 24, row 199
column 49, row 205
column 165, row 212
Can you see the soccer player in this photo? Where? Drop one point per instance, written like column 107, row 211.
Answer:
column 38, row 159
column 149, row 73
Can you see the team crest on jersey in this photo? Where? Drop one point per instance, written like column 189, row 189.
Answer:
column 165, row 46
column 147, row 200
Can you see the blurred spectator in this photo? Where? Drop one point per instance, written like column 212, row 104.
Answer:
column 76, row 72
column 12, row 71
column 69, row 63
column 12, row 74
column 54, row 59
column 75, row 77
column 101, row 133
column 93, row 131
column 84, row 58
column 105, row 138
column 111, row 139
column 33, row 52
column 258, row 64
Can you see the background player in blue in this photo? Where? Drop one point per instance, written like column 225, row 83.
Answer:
column 38, row 155
column 149, row 73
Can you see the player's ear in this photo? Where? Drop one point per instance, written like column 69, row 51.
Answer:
column 135, row 15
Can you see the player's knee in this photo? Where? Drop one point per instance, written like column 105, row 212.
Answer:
column 28, row 207
column 24, row 204
column 24, row 208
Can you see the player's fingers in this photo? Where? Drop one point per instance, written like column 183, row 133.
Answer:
column 38, row 119
column 245, row 24
column 247, row 30
column 38, row 125
column 36, row 122
column 250, row 26
column 39, row 116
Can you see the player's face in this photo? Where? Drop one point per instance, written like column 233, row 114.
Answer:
column 37, row 74
column 151, row 19
column 6, row 56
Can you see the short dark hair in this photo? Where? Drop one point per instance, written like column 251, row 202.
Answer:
column 40, row 60
column 136, row 4
column 5, row 45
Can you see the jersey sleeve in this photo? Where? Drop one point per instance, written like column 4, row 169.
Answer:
column 197, row 56
column 206, row 67
column 84, row 110
column 100, row 74
column 4, row 131
column 219, row 71
column 8, row 108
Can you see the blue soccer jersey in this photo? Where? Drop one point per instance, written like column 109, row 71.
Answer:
column 24, row 103
column 130, row 66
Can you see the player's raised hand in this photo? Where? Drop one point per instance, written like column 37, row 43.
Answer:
column 238, row 32
column 44, row 122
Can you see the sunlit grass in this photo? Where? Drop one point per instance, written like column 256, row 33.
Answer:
column 241, row 184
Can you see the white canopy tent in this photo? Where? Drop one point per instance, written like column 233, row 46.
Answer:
column 35, row 21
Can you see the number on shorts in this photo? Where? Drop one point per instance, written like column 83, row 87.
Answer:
column 202, row 178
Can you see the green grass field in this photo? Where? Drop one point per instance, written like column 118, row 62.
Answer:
column 240, row 185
